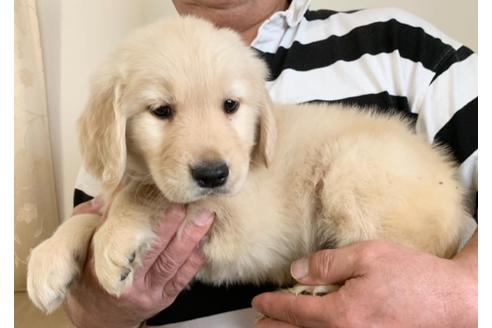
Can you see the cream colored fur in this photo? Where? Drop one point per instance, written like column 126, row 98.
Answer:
column 301, row 177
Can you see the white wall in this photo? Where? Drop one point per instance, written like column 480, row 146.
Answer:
column 77, row 35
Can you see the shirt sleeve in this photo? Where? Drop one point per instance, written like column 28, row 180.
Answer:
column 447, row 101
column 449, row 114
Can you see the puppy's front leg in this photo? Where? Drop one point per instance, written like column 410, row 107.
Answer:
column 121, row 241
column 57, row 261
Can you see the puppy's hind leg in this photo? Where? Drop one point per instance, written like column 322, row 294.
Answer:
column 56, row 262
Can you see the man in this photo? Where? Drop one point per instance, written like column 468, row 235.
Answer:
column 383, row 58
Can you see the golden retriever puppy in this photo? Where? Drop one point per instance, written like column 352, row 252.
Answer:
column 180, row 114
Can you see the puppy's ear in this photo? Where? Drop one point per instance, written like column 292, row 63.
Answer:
column 267, row 131
column 102, row 132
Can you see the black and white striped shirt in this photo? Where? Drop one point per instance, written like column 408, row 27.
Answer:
column 386, row 58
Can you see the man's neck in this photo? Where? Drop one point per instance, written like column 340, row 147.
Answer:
column 245, row 17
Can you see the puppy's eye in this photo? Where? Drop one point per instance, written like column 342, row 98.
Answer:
column 162, row 112
column 231, row 106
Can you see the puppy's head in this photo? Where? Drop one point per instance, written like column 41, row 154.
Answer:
column 182, row 103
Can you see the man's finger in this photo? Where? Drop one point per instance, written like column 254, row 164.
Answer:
column 329, row 266
column 184, row 275
column 298, row 310
column 179, row 249
column 169, row 224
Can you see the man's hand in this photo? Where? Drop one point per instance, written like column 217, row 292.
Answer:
column 168, row 267
column 385, row 285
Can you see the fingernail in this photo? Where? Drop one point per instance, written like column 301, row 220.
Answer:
column 203, row 218
column 299, row 269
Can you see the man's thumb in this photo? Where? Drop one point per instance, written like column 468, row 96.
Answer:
column 329, row 266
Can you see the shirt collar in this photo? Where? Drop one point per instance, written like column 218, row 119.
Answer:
column 268, row 36
column 295, row 12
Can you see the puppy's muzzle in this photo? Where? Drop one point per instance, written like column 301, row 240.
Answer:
column 210, row 174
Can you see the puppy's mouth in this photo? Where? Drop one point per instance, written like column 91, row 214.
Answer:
column 204, row 192
column 197, row 193
column 190, row 191
column 216, row 180
column 189, row 188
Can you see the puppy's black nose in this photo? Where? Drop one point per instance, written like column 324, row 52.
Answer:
column 210, row 174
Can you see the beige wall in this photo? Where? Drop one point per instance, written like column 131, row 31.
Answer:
column 457, row 18
column 77, row 34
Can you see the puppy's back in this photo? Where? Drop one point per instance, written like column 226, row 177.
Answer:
column 370, row 177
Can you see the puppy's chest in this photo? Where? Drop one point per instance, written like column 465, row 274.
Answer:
column 260, row 231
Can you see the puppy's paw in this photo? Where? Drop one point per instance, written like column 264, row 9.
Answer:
column 117, row 253
column 52, row 268
column 313, row 290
